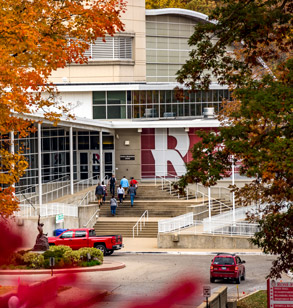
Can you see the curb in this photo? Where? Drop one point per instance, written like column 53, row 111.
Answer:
column 106, row 266
column 192, row 253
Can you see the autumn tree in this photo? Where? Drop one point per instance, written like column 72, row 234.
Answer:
column 37, row 37
column 256, row 125
column 202, row 6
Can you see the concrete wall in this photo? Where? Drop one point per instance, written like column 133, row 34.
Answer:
column 128, row 168
column 218, row 299
column 203, row 241
column 114, row 71
column 85, row 213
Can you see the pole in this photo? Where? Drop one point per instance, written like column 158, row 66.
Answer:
column 101, row 156
column 233, row 194
column 71, row 159
column 207, row 302
column 40, row 164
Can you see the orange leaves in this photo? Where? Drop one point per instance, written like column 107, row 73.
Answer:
column 38, row 37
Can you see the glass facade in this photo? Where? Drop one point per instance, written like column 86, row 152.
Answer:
column 155, row 104
column 56, row 155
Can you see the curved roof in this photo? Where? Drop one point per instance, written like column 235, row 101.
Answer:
column 174, row 11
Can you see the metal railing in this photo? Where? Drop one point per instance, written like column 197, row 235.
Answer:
column 87, row 198
column 62, row 190
column 176, row 223
column 226, row 228
column 141, row 222
column 95, row 215
column 219, row 191
column 45, row 210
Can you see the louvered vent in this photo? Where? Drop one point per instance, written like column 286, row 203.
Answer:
column 115, row 48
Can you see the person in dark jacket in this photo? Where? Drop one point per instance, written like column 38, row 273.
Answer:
column 132, row 193
column 99, row 193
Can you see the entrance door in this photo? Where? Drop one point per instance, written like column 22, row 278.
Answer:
column 109, row 163
column 89, row 164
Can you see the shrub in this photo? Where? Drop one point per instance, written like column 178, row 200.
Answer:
column 95, row 254
column 72, row 258
column 33, row 260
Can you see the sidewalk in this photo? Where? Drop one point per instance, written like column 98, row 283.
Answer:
column 149, row 245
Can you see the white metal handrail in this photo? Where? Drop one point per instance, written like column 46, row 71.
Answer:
column 143, row 218
column 46, row 210
column 226, row 228
column 176, row 223
column 96, row 215
column 63, row 190
column 219, row 188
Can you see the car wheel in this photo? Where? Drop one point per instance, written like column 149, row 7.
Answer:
column 212, row 279
column 51, row 244
column 237, row 280
column 102, row 248
column 243, row 276
column 109, row 252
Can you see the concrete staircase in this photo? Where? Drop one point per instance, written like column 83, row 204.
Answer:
column 125, row 228
column 159, row 203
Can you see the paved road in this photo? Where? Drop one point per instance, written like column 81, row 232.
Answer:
column 146, row 276
column 149, row 274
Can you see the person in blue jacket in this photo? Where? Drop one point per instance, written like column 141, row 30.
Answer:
column 124, row 183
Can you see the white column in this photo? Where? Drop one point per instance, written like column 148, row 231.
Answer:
column 233, row 182
column 101, row 156
column 40, row 163
column 71, row 159
column 12, row 150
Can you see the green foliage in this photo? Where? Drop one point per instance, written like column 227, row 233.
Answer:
column 256, row 125
column 95, row 254
column 275, row 237
column 64, row 256
column 33, row 260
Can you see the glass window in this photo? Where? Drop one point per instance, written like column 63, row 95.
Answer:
column 116, row 112
column 99, row 112
column 94, row 142
column 99, row 98
column 92, row 233
column 67, row 234
column 116, row 98
column 83, row 142
column 80, row 233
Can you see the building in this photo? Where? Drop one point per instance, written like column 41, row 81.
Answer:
column 128, row 118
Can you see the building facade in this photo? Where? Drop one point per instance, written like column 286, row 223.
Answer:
column 129, row 120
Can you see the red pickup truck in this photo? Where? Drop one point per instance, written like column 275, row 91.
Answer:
column 78, row 238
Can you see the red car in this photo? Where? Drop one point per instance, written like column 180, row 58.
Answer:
column 227, row 266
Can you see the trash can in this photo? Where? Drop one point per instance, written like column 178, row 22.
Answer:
column 58, row 231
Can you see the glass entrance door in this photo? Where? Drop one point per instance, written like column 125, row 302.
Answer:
column 109, row 163
column 89, row 164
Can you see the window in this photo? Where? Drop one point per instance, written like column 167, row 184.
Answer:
column 114, row 48
column 67, row 234
column 80, row 233
column 92, row 233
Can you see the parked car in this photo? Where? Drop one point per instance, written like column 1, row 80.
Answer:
column 78, row 238
column 227, row 266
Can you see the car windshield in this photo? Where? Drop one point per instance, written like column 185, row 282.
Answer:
column 224, row 261
column 92, row 233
